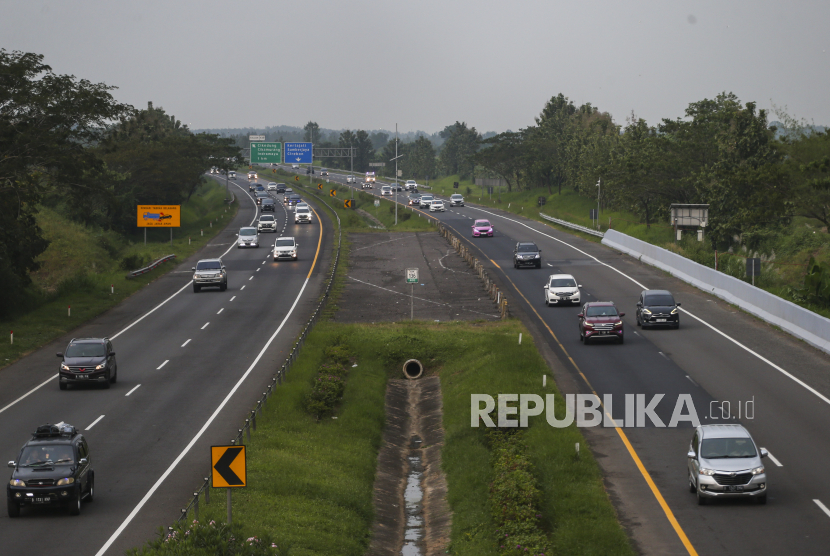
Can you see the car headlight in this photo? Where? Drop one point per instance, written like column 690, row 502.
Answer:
column 707, row 472
column 537, row 256
column 758, row 470
column 195, row 276
column 64, row 367
column 646, row 311
column 588, row 325
column 66, row 481
column 674, row 311
column 101, row 366
column 17, row 483
column 617, row 324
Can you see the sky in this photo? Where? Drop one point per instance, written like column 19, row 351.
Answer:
column 371, row 64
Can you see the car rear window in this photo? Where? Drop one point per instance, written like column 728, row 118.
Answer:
column 659, row 300
column 602, row 311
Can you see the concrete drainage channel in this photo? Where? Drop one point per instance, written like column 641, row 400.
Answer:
column 412, row 517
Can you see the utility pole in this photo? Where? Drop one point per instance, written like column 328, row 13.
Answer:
column 396, row 174
column 599, row 190
column 351, row 164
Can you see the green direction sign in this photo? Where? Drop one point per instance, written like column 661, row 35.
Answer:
column 266, row 153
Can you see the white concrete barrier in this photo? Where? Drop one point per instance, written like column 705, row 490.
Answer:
column 798, row 321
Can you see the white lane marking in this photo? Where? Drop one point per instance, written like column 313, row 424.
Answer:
column 822, row 506
column 773, row 459
column 131, row 391
column 199, row 434
column 94, row 423
column 153, row 310
column 234, row 297
column 30, row 392
column 809, row 388
column 187, row 342
column 220, row 310
column 206, row 324
column 242, row 288
column 257, row 270
column 251, row 278
column 263, row 262
column 163, row 364
column 692, row 381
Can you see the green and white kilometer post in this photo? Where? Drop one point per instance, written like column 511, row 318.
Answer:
column 412, row 279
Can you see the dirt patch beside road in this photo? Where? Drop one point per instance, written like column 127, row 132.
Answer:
column 376, row 288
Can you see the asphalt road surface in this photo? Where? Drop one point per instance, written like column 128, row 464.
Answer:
column 190, row 367
column 720, row 357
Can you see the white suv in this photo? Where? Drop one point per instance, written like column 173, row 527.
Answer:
column 302, row 215
column 561, row 289
column 285, row 248
column 410, row 184
column 267, row 223
column 272, row 186
column 350, row 179
column 386, row 190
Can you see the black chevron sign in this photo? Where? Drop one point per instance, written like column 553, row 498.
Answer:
column 228, row 466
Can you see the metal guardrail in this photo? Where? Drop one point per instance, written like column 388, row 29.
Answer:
column 150, row 267
column 571, row 225
column 276, row 380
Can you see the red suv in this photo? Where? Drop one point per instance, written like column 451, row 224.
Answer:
column 600, row 320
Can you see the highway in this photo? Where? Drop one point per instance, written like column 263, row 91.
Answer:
column 720, row 357
column 190, row 367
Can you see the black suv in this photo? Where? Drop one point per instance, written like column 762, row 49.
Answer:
column 657, row 308
column 53, row 468
column 88, row 361
column 267, row 204
column 527, row 254
column 280, row 188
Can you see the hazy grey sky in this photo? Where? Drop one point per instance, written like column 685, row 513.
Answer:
column 425, row 64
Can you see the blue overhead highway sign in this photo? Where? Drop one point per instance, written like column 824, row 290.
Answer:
column 297, row 153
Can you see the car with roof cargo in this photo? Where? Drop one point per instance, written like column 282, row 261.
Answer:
column 53, row 468
column 657, row 308
column 267, row 223
column 456, row 200
column 562, row 289
column 285, row 248
column 483, row 228
column 600, row 320
column 723, row 461
column 526, row 253
column 88, row 361
column 210, row 273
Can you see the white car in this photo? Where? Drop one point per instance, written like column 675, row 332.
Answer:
column 350, row 179
column 386, row 190
column 425, row 200
column 272, row 186
column 410, row 184
column 285, row 248
column 302, row 215
column 437, row 206
column 561, row 289
column 295, row 166
column 456, row 200
column 232, row 174
column 267, row 223
column 248, row 237
column 252, row 175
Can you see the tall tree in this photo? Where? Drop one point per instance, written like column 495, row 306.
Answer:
column 312, row 132
column 459, row 148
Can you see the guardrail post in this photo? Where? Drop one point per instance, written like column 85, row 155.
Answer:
column 248, row 428
column 196, row 505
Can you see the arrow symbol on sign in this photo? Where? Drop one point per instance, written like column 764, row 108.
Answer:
column 299, row 158
column 223, row 466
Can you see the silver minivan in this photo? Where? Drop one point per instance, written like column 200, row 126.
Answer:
column 724, row 462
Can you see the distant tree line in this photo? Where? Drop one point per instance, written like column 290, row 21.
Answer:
column 66, row 143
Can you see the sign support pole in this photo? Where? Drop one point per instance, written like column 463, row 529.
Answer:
column 229, row 505
column 171, row 237
column 145, row 237
column 396, row 174
column 412, row 302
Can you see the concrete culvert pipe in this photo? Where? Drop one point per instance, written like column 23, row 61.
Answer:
column 413, row 369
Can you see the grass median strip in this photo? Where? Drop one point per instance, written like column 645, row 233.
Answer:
column 310, row 481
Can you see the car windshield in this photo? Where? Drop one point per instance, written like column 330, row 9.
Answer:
column 208, row 265
column 659, row 300
column 86, row 350
column 247, row 232
column 301, row 210
column 483, row 223
column 529, row 248
column 426, row 197
column 455, row 197
column 717, row 448
column 285, row 243
column 268, row 201
column 602, row 311
column 266, row 218
column 37, row 456
column 562, row 283
column 438, row 202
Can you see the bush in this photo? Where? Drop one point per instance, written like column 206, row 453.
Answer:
column 339, row 354
column 330, row 381
column 135, row 261
column 208, row 539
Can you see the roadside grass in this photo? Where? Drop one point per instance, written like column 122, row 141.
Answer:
column 81, row 264
column 310, row 483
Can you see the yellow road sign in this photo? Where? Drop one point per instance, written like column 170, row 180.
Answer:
column 159, row 216
column 296, row 178
column 332, row 193
column 227, row 466
column 319, row 186
column 347, row 203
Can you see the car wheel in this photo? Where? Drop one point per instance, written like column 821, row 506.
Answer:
column 692, row 487
column 701, row 501
column 196, row 289
column 61, row 385
column 107, row 381
column 622, row 339
column 676, row 326
column 223, row 287
column 638, row 320
column 546, row 302
column 14, row 508
column 762, row 500
column 114, row 378
column 75, row 505
column 539, row 264
column 90, row 492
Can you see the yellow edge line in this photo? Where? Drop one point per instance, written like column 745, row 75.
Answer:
column 319, row 242
column 632, row 452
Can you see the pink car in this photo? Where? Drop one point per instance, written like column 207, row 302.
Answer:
column 482, row 228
